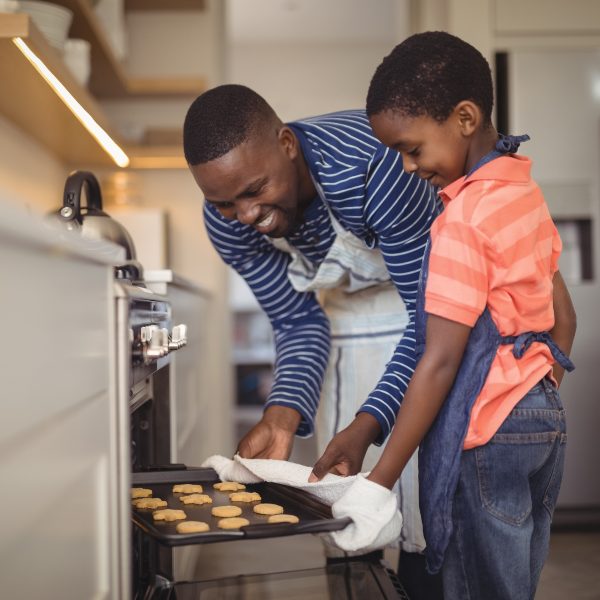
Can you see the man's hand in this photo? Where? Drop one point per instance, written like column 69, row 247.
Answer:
column 345, row 453
column 272, row 436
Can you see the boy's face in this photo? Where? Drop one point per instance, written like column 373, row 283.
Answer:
column 256, row 183
column 436, row 152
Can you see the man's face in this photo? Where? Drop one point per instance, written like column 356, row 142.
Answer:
column 256, row 183
column 437, row 152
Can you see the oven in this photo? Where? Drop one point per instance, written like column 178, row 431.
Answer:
column 146, row 338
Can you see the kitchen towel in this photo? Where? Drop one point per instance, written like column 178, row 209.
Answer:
column 254, row 470
column 373, row 509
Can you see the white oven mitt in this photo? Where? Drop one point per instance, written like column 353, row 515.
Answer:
column 374, row 511
column 254, row 470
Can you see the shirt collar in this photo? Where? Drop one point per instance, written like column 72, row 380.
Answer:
column 510, row 168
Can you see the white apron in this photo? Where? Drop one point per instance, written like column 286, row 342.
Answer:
column 367, row 318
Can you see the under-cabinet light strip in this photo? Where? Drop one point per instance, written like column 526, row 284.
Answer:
column 115, row 152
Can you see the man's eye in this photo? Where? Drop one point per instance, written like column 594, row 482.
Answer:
column 253, row 193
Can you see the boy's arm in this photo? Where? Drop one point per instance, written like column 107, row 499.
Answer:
column 565, row 322
column 369, row 502
column 435, row 373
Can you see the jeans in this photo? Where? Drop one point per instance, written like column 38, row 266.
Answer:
column 504, row 503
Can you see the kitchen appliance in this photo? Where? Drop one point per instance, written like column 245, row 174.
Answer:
column 90, row 219
column 145, row 338
column 144, row 342
column 357, row 577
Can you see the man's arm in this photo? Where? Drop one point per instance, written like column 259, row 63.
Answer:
column 565, row 321
column 399, row 212
column 301, row 332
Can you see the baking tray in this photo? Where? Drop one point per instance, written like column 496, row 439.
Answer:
column 315, row 517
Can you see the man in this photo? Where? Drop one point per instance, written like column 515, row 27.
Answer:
column 328, row 231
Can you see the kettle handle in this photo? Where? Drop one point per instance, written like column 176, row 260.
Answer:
column 71, row 208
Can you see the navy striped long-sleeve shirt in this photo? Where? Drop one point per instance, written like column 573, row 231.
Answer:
column 370, row 195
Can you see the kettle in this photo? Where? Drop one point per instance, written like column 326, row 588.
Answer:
column 91, row 219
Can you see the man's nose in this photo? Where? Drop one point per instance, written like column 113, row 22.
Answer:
column 408, row 164
column 246, row 211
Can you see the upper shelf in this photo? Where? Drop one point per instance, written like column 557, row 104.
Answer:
column 30, row 103
column 164, row 5
column 109, row 79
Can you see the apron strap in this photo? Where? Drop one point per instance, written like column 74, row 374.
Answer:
column 524, row 340
column 506, row 144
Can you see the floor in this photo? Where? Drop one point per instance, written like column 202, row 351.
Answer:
column 572, row 571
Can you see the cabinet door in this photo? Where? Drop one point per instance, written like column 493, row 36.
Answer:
column 57, row 464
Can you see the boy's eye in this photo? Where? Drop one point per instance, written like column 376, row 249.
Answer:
column 413, row 152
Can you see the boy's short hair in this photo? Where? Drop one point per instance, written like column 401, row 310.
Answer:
column 429, row 74
column 221, row 119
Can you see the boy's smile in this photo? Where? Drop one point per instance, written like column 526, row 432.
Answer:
column 436, row 152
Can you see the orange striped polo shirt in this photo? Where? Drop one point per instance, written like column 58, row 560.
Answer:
column 495, row 245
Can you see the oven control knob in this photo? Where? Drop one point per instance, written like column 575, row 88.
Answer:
column 157, row 347
column 178, row 337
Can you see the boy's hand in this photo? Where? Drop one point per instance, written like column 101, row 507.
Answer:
column 272, row 436
column 345, row 453
column 376, row 520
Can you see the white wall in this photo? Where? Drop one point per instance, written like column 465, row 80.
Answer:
column 301, row 81
column 30, row 177
column 308, row 58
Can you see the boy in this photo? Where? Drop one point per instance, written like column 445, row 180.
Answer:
column 483, row 401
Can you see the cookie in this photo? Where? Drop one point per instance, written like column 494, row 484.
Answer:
column 196, row 499
column 268, row 509
column 281, row 518
column 244, row 497
column 140, row 493
column 187, row 488
column 233, row 523
column 229, row 486
column 168, row 514
column 226, row 511
column 192, row 527
column 149, row 503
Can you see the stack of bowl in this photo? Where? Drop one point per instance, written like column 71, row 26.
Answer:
column 52, row 20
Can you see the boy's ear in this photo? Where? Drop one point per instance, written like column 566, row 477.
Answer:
column 469, row 116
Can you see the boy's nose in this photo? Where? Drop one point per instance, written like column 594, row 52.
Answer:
column 247, row 211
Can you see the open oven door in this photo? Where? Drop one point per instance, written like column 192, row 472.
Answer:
column 154, row 542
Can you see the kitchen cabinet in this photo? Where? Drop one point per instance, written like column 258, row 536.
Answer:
column 108, row 77
column 55, row 126
column 59, row 463
column 30, row 103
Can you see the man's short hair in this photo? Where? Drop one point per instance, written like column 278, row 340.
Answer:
column 221, row 119
column 429, row 74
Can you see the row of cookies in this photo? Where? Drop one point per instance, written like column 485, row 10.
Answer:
column 229, row 515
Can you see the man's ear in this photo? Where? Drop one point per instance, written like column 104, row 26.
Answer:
column 469, row 117
column 288, row 141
